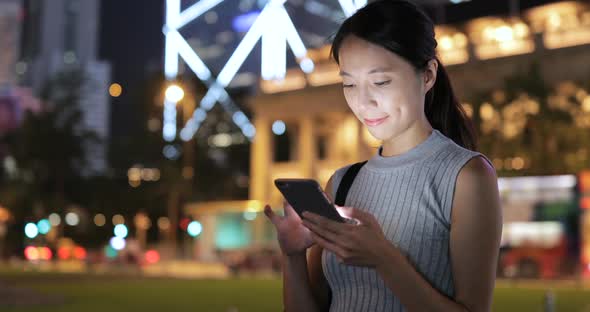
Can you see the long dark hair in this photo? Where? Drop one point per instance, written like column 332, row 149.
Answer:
column 404, row 29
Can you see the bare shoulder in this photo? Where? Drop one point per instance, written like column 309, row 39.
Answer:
column 475, row 176
column 476, row 186
column 477, row 168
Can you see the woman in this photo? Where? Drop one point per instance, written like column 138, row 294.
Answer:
column 427, row 204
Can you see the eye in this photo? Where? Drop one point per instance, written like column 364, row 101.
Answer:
column 347, row 85
column 383, row 83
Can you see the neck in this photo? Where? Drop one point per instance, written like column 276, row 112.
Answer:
column 406, row 140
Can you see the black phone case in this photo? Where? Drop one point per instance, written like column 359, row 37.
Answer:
column 307, row 195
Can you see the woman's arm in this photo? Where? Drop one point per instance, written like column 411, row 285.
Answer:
column 475, row 237
column 304, row 285
column 297, row 293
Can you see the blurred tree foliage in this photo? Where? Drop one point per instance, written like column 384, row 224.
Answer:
column 530, row 128
column 49, row 152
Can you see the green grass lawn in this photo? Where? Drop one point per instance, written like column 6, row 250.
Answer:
column 116, row 293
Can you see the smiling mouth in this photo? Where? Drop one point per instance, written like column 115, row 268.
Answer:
column 375, row 122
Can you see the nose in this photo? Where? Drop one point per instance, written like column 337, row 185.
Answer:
column 365, row 99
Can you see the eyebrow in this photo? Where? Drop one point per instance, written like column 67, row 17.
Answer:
column 372, row 71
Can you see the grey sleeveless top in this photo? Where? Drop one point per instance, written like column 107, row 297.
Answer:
column 411, row 196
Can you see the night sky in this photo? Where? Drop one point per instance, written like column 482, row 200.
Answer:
column 131, row 40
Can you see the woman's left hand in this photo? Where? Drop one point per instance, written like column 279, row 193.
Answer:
column 361, row 244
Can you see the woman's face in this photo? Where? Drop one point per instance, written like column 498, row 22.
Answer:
column 383, row 90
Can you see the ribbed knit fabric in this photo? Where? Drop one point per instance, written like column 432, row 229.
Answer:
column 411, row 196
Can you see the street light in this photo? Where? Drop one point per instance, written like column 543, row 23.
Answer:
column 174, row 93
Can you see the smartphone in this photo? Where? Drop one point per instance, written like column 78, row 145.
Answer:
column 307, row 195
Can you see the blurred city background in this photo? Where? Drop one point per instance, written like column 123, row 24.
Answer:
column 139, row 141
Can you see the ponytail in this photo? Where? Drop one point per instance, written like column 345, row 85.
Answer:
column 446, row 114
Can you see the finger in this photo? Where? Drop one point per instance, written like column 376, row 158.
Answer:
column 271, row 215
column 327, row 234
column 343, row 239
column 323, row 222
column 287, row 208
column 290, row 212
column 328, row 245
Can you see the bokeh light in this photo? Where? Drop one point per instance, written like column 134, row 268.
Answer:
column 72, row 219
column 31, row 253
column 115, row 90
column 163, row 223
column 121, row 230
column 184, row 223
column 63, row 253
column 99, row 219
column 152, row 256
column 54, row 219
column 194, row 228
column 31, row 230
column 43, row 226
column 45, row 253
column 118, row 219
column 80, row 253
column 249, row 215
column 110, row 252
column 118, row 243
column 279, row 127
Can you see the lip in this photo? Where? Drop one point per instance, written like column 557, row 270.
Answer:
column 375, row 122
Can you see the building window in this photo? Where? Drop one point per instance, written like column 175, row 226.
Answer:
column 321, row 146
column 283, row 143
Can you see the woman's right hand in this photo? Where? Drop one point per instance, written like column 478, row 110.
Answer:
column 294, row 238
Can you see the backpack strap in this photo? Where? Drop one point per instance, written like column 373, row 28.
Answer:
column 346, row 182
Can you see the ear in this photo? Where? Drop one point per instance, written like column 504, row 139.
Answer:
column 429, row 76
